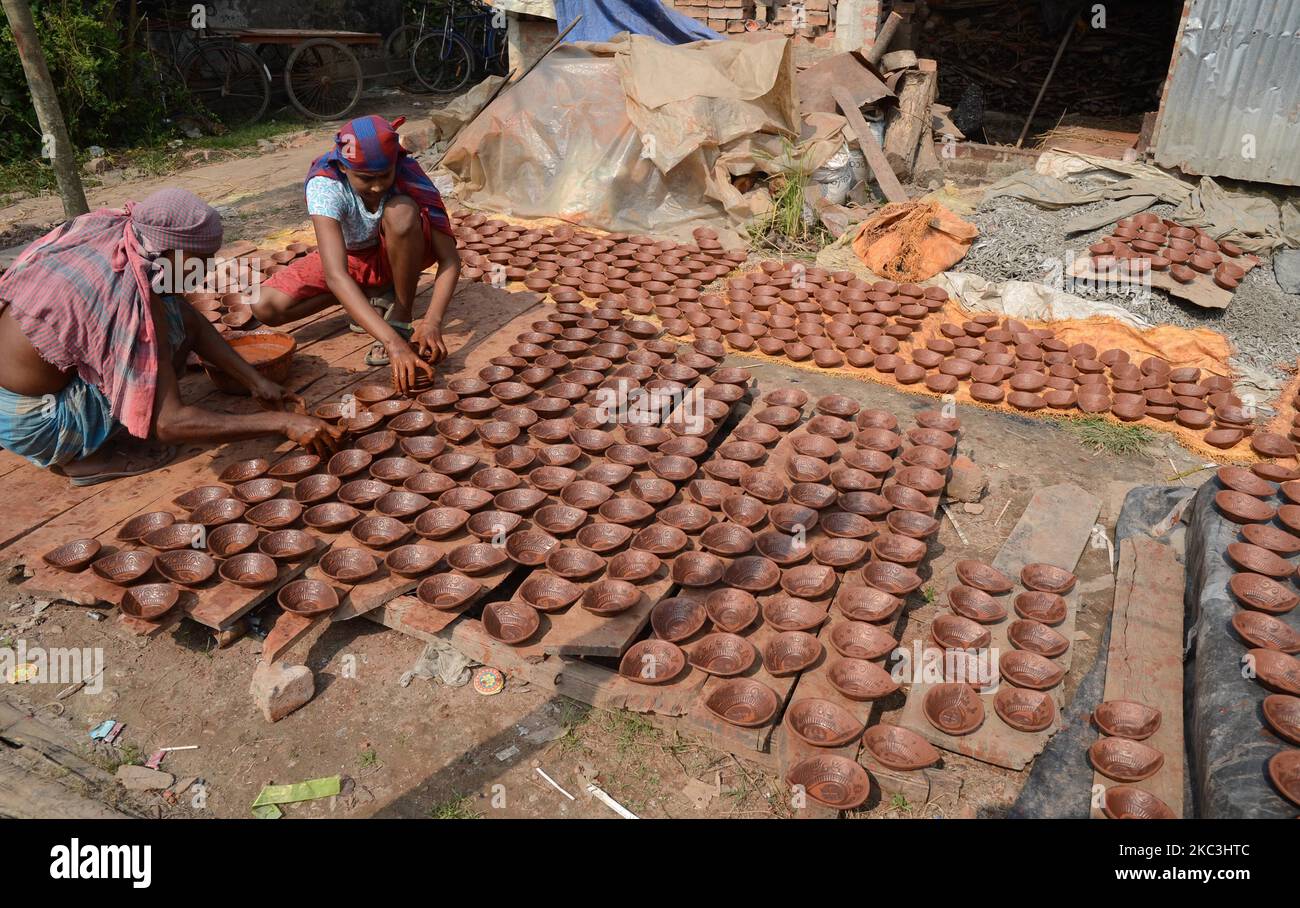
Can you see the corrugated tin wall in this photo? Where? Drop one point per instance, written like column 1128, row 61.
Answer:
column 1232, row 107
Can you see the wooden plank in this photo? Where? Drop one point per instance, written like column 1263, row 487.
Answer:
column 1054, row 528
column 605, row 688
column 1146, row 658
column 886, row 179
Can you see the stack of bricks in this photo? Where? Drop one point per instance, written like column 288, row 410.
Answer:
column 806, row 18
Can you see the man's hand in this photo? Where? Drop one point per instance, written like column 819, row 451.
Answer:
column 428, row 341
column 271, row 396
column 312, row 434
column 407, row 366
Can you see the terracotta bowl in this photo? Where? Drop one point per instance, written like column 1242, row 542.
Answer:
column 841, row 552
column 530, row 547
column 1025, row 669
column 765, row 485
column 661, row 539
column 892, row 578
column 448, row 591
column 547, row 593
column 559, row 519
column 834, row 781
column 652, row 489
column 308, row 597
column 1023, row 709
column 727, row 539
column 610, row 597
column 866, row 603
column 231, row 539
column 244, row 470
column 821, row 723
column 1266, row 632
column 954, row 709
column 698, row 569
column 189, row 501
column 453, row 463
column 294, row 467
column 808, row 581
column 1267, row 536
column 573, row 563
column 519, row 501
column 707, row 493
column 476, row 558
column 634, row 565
column 348, row 565
column 1125, row 802
column 349, row 462
column 856, row 640
column 677, row 618
column 467, row 498
column 723, row 654
column 212, row 514
column 859, row 679
column 687, row 517
column 274, row 514
column 788, row 613
column 250, row 569
column 1126, row 719
column 412, row 560
column 73, row 556
column 744, row 511
column 983, row 577
column 782, row 548
column 142, row 524
column 438, row 523
column 744, row 702
column 753, row 574
column 426, row 483
column 149, row 601
column 176, row 536
column 552, row 479
column 1242, row 508
column 844, row 525
column 731, row 610
column 603, row 537
column 511, row 623
column 1256, row 591
column 256, row 491
column 377, row 443
column 1047, row 578
column 316, row 488
column 379, row 532
column 1276, row 671
column 398, row 469
column 1282, row 713
column 672, row 467
column 1046, row 608
column 899, row 748
column 185, row 567
column 652, row 662
column 585, row 495
column 1124, row 760
column 363, row 492
column 1259, row 560
column 958, row 632
column 1036, row 637
column 493, row 525
column 625, row 510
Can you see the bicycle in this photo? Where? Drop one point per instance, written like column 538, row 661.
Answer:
column 444, row 60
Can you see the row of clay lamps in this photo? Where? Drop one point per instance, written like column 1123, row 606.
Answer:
column 529, row 404
column 1187, row 253
column 1264, row 589
column 230, row 309
column 572, row 265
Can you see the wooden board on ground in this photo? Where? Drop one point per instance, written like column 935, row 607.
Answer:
column 1146, row 657
column 1202, row 291
column 1054, row 528
column 605, row 688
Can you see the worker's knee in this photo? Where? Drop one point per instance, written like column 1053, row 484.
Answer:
column 269, row 309
column 401, row 217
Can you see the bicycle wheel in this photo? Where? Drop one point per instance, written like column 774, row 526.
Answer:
column 397, row 57
column 323, row 79
column 229, row 81
column 443, row 61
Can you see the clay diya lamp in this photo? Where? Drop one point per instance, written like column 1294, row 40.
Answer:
column 448, row 591
column 1282, row 713
column 185, row 567
column 249, row 569
column 953, row 708
column 348, row 565
column 830, row 780
column 860, row 680
column 821, row 723
column 899, row 748
column 1124, row 760
column 512, row 623
column 1126, row 802
column 610, row 597
column 73, row 556
column 1026, row 669
column 150, row 601
column 747, row 703
column 982, row 577
column 1266, row 632
column 677, row 618
column 652, row 662
column 546, row 592
column 1126, row 719
column 1025, row 710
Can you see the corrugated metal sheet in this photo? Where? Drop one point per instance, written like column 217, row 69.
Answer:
column 1232, row 107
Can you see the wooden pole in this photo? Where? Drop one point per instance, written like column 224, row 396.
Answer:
column 1060, row 49
column 49, row 116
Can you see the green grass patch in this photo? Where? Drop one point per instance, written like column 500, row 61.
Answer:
column 460, row 807
column 1103, row 436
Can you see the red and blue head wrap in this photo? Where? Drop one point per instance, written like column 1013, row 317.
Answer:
column 371, row 144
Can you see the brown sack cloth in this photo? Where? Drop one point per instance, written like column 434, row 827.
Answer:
column 913, row 241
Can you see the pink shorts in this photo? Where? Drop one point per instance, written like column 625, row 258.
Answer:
column 304, row 277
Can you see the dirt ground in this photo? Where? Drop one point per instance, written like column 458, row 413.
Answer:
column 424, row 750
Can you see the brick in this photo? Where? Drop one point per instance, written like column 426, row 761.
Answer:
column 967, row 481
column 278, row 689
column 727, row 14
column 717, row 24
column 819, row 5
column 816, row 19
column 735, row 27
column 733, row 4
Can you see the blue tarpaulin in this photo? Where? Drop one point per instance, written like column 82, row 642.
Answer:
column 603, row 19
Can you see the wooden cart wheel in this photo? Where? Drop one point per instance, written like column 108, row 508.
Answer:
column 229, row 81
column 323, row 79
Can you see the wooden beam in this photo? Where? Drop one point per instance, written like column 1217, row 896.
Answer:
column 871, row 149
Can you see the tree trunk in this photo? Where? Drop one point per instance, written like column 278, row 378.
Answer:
column 54, row 132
